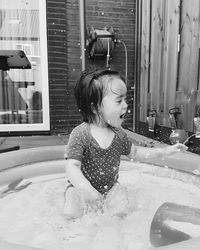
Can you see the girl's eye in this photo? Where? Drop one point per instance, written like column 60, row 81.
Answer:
column 119, row 101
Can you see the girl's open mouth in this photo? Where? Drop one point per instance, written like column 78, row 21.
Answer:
column 122, row 116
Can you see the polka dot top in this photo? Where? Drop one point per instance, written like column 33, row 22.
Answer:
column 100, row 166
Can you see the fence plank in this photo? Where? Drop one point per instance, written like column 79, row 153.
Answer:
column 160, row 79
column 170, row 58
column 145, row 40
column 197, row 107
column 156, row 53
column 1, row 95
column 188, row 72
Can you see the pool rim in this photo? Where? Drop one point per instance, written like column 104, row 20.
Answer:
column 24, row 157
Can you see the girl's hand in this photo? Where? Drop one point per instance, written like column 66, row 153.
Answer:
column 117, row 201
column 92, row 200
column 174, row 149
column 90, row 195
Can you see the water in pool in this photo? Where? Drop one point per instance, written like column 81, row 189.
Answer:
column 33, row 216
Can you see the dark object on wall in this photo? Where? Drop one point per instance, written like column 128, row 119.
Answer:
column 100, row 41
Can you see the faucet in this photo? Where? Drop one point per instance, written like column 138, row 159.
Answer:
column 197, row 126
column 173, row 113
column 177, row 134
column 151, row 119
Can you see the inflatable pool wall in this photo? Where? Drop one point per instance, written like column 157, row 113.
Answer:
column 19, row 164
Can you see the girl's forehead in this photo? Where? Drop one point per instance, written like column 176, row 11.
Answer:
column 116, row 86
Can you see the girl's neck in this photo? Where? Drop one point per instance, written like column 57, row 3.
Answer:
column 104, row 128
column 102, row 134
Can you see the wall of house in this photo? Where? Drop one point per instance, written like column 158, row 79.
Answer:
column 64, row 53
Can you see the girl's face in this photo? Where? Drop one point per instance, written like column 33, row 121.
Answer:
column 114, row 107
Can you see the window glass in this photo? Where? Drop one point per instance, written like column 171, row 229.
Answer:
column 24, row 103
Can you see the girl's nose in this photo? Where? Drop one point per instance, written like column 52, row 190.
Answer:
column 125, row 105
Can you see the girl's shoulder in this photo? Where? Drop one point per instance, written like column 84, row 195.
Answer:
column 81, row 127
column 82, row 130
column 120, row 132
column 124, row 141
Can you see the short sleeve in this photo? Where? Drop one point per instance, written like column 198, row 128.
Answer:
column 77, row 143
column 126, row 143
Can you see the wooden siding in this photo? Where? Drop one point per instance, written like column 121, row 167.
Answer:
column 170, row 44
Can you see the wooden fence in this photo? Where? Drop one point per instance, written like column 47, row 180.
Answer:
column 170, row 55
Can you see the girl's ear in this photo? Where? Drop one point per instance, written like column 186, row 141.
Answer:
column 93, row 109
column 97, row 113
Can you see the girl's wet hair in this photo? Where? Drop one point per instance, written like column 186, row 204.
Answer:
column 89, row 91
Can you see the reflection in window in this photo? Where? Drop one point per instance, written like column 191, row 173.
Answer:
column 21, row 82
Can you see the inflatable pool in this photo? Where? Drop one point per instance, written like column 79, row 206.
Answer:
column 32, row 182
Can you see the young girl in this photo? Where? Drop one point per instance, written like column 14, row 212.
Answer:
column 95, row 146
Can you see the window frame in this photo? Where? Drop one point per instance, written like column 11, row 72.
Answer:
column 45, row 124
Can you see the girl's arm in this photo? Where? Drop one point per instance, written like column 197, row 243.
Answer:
column 141, row 153
column 78, row 180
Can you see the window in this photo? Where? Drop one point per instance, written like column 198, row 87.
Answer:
column 24, row 96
